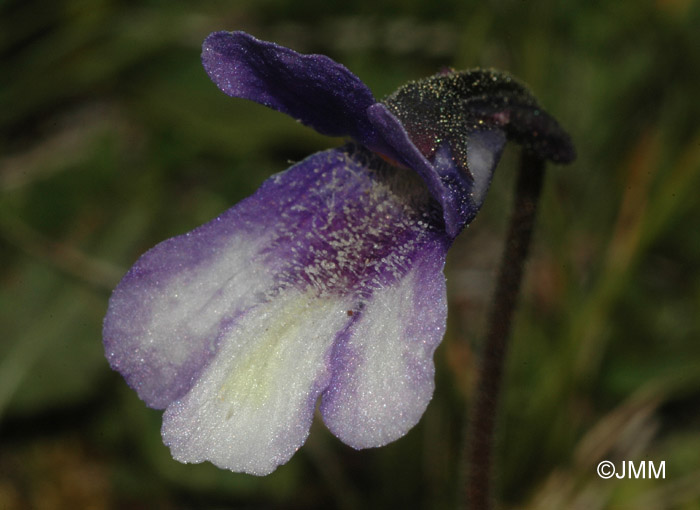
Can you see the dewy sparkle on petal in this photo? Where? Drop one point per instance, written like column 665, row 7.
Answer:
column 327, row 282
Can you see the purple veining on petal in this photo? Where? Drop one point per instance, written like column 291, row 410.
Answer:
column 314, row 89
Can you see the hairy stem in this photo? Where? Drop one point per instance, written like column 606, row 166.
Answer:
column 479, row 446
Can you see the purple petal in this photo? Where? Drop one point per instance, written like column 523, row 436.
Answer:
column 313, row 89
column 382, row 367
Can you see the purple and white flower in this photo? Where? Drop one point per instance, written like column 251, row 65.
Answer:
column 328, row 281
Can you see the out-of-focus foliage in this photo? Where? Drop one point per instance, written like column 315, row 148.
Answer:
column 112, row 139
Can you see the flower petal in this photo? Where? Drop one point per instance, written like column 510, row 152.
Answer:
column 313, row 89
column 252, row 407
column 382, row 367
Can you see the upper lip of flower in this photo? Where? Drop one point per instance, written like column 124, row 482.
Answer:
column 447, row 110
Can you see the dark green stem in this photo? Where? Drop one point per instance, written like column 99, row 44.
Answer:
column 483, row 416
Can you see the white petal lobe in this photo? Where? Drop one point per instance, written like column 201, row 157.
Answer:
column 384, row 378
column 252, row 407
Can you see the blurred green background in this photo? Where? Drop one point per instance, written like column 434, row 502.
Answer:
column 112, row 139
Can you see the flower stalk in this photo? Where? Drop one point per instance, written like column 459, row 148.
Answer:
column 479, row 448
